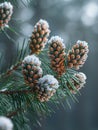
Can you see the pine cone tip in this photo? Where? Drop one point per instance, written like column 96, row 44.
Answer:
column 32, row 59
column 84, row 43
column 57, row 39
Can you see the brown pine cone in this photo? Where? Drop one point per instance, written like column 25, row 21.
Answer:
column 57, row 55
column 46, row 87
column 31, row 70
column 6, row 10
column 81, row 77
column 77, row 55
column 39, row 36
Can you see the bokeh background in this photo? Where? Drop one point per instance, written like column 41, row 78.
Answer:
column 72, row 20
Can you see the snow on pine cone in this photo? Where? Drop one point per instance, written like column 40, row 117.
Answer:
column 78, row 55
column 31, row 70
column 6, row 10
column 39, row 36
column 46, row 87
column 57, row 54
column 81, row 77
column 5, row 123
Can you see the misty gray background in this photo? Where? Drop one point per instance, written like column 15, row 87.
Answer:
column 72, row 20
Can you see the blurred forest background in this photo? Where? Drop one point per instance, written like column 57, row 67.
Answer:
column 72, row 20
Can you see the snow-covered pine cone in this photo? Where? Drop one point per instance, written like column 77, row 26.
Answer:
column 77, row 55
column 5, row 123
column 31, row 70
column 81, row 77
column 39, row 36
column 6, row 10
column 57, row 54
column 46, row 87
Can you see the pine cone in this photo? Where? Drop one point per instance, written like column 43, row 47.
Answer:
column 39, row 36
column 78, row 55
column 31, row 70
column 5, row 123
column 82, row 80
column 46, row 87
column 57, row 54
column 6, row 10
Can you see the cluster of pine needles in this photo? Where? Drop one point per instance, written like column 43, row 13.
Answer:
column 43, row 73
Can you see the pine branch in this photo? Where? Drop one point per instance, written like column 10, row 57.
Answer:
column 16, row 63
column 14, row 113
column 53, row 80
column 8, row 92
column 10, row 71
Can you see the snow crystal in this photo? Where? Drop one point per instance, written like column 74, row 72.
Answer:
column 8, row 5
column 83, row 42
column 50, row 80
column 57, row 39
column 41, row 21
column 32, row 59
column 83, row 75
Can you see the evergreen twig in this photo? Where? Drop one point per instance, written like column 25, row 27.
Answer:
column 8, row 92
column 13, row 68
column 13, row 113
